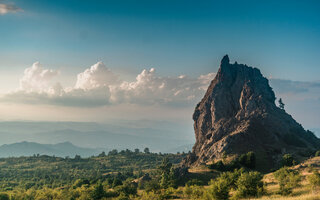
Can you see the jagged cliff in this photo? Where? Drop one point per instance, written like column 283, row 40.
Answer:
column 238, row 114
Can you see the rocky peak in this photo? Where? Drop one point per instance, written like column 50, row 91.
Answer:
column 238, row 114
column 225, row 60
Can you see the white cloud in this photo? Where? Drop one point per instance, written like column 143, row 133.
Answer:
column 8, row 8
column 98, row 86
column 98, row 75
column 36, row 78
column 149, row 88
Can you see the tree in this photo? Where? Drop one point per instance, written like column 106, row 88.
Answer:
column 113, row 152
column 127, row 188
column 77, row 157
column 218, row 166
column 232, row 177
column 287, row 160
column 98, row 191
column 152, row 185
column 146, row 150
column 249, row 184
column 251, row 160
column 116, row 182
column 248, row 160
column 102, row 154
column 287, row 179
column 166, row 171
column 219, row 189
column 136, row 151
column 4, row 196
column 281, row 104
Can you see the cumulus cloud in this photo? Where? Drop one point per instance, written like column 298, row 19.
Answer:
column 98, row 86
column 36, row 78
column 8, row 8
column 149, row 88
column 98, row 75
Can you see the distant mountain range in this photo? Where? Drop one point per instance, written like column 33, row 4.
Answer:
column 158, row 137
column 32, row 148
column 62, row 149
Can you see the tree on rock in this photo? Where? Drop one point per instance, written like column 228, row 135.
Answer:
column 281, row 104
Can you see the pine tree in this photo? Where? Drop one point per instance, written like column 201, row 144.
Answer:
column 281, row 104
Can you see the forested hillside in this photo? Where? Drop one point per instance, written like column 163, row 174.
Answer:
column 146, row 175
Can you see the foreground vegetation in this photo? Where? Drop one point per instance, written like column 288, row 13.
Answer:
column 144, row 175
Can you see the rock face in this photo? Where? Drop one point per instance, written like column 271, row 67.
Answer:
column 238, row 114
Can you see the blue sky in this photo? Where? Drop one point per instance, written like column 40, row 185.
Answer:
column 143, row 44
column 175, row 36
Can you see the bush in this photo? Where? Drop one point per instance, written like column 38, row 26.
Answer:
column 288, row 179
column 249, row 184
column 127, row 189
column 80, row 182
column 314, row 180
column 152, row 185
column 193, row 192
column 234, row 164
column 287, row 160
column 218, row 166
column 122, row 197
column 317, row 153
column 232, row 177
column 248, row 160
column 219, row 189
column 98, row 191
column 116, row 182
column 194, row 182
column 4, row 196
column 187, row 191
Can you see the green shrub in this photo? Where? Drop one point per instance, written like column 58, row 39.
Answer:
column 234, row 164
column 194, row 182
column 98, row 192
column 232, row 177
column 249, row 184
column 287, row 160
column 314, row 180
column 122, row 197
column 152, row 185
column 317, row 153
column 219, row 189
column 4, row 196
column 80, row 182
column 127, row 189
column 248, row 160
column 116, row 182
column 288, row 179
column 193, row 191
column 218, row 166
column 187, row 191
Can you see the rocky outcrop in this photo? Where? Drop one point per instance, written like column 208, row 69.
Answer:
column 238, row 114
